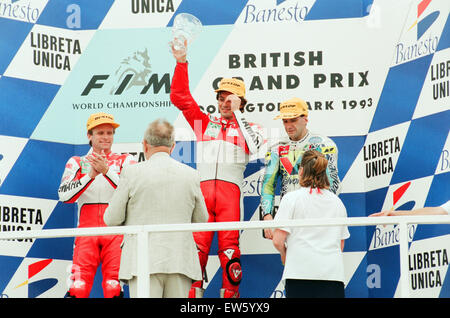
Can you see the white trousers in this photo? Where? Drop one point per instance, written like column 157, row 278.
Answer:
column 164, row 286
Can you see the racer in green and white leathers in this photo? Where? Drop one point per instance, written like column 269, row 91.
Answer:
column 282, row 163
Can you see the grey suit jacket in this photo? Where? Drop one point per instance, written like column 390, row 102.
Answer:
column 160, row 190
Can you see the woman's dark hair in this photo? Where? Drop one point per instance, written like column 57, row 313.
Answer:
column 314, row 166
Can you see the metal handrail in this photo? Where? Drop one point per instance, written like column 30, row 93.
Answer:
column 142, row 231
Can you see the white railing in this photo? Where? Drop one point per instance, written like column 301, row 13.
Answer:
column 142, row 231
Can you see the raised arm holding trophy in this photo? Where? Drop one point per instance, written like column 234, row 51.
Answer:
column 224, row 145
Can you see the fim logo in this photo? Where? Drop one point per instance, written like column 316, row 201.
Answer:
column 38, row 287
column 132, row 71
column 424, row 24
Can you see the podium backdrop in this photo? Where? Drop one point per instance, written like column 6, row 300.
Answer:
column 375, row 74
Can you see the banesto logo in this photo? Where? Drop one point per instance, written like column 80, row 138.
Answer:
column 422, row 45
column 425, row 23
column 38, row 287
column 23, row 12
column 281, row 12
column 132, row 71
column 389, row 236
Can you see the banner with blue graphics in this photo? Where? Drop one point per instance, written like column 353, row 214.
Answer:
column 375, row 75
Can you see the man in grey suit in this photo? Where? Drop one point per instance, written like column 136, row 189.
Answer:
column 159, row 190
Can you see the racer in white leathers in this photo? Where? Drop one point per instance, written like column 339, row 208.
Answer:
column 90, row 181
column 223, row 147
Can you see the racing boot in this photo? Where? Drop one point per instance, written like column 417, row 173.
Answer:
column 232, row 273
column 196, row 290
column 228, row 293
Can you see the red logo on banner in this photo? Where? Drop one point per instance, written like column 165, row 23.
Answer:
column 400, row 191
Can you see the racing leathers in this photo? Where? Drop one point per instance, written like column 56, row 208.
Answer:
column 92, row 197
column 283, row 160
column 223, row 150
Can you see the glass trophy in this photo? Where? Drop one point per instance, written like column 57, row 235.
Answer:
column 185, row 29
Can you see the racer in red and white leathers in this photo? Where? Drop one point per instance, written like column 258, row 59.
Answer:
column 223, row 149
column 92, row 196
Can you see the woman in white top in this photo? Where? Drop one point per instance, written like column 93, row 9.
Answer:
column 312, row 256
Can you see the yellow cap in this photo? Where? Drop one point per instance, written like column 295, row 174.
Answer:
column 100, row 118
column 232, row 85
column 292, row 108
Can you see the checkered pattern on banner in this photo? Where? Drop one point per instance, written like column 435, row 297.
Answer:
column 384, row 102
